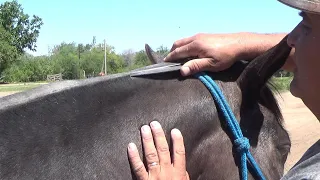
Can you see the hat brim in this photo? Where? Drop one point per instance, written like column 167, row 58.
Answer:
column 305, row 5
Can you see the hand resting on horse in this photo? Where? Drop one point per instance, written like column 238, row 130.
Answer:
column 158, row 158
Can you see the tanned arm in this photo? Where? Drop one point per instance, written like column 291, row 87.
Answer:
column 256, row 44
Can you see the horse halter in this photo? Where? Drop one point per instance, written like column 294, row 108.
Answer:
column 241, row 143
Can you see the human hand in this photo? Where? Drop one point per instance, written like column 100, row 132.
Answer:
column 158, row 158
column 214, row 52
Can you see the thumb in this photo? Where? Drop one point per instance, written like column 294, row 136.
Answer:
column 198, row 65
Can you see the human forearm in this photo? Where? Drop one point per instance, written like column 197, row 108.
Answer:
column 256, row 44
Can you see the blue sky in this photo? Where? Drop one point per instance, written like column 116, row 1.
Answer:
column 129, row 24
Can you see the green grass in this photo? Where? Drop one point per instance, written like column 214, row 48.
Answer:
column 18, row 87
column 281, row 84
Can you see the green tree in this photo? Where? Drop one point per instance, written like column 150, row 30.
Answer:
column 163, row 51
column 115, row 63
column 28, row 68
column 8, row 53
column 92, row 61
column 141, row 59
column 128, row 57
column 66, row 60
column 24, row 30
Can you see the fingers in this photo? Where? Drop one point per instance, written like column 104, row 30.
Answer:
column 156, row 150
column 182, row 42
column 161, row 145
column 198, row 65
column 179, row 158
column 185, row 51
column 136, row 163
column 150, row 150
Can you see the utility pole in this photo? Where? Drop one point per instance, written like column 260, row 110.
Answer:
column 105, row 58
column 49, row 52
column 79, row 62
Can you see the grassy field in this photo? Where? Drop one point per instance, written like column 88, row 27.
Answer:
column 281, row 84
column 19, row 86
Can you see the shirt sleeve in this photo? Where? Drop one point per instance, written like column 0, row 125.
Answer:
column 308, row 167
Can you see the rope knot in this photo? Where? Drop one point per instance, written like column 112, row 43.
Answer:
column 242, row 144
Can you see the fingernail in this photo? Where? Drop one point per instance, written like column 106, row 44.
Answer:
column 132, row 146
column 176, row 133
column 145, row 129
column 155, row 124
column 185, row 70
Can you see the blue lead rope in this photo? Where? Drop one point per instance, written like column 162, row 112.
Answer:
column 241, row 143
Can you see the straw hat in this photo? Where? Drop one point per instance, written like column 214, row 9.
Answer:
column 311, row 6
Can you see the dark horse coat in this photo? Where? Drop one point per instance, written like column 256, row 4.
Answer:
column 80, row 129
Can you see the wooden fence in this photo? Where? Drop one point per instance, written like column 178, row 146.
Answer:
column 54, row 77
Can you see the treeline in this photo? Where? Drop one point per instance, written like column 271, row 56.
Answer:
column 75, row 61
column 19, row 32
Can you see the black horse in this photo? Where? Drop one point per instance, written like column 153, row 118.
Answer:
column 80, row 129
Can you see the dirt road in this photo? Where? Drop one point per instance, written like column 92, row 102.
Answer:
column 303, row 127
column 6, row 93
